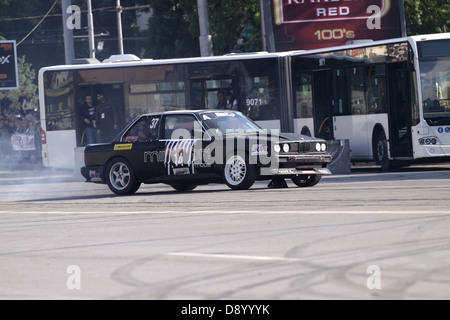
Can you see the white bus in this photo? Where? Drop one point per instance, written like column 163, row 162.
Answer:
column 138, row 86
column 390, row 99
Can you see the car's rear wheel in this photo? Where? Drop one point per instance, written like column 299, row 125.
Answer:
column 238, row 173
column 304, row 181
column 121, row 178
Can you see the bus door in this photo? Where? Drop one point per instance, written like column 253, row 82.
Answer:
column 323, row 104
column 211, row 93
column 400, row 117
column 113, row 95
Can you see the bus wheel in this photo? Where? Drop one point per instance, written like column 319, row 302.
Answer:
column 121, row 178
column 305, row 181
column 381, row 152
column 238, row 174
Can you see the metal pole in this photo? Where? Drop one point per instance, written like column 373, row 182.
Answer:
column 402, row 18
column 267, row 26
column 206, row 46
column 91, row 30
column 119, row 26
column 68, row 33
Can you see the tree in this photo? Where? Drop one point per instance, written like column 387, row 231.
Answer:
column 168, row 35
column 228, row 20
column 27, row 76
column 174, row 27
column 45, row 46
column 427, row 16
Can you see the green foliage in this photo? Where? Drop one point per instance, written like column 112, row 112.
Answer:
column 27, row 78
column 427, row 16
column 228, row 20
column 174, row 27
column 168, row 35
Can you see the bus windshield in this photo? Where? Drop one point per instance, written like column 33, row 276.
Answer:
column 435, row 76
column 435, row 79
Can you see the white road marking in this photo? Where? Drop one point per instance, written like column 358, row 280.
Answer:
column 233, row 257
column 301, row 212
column 43, row 178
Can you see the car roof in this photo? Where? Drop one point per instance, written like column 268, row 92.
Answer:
column 175, row 112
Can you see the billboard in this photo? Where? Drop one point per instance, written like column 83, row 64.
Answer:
column 9, row 79
column 312, row 24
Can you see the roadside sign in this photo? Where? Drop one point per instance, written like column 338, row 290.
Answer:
column 9, row 79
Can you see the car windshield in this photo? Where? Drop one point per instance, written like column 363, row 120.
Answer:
column 435, row 76
column 229, row 122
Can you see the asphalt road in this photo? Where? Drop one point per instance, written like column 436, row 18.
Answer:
column 368, row 235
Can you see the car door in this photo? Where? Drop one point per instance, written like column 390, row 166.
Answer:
column 182, row 147
column 142, row 141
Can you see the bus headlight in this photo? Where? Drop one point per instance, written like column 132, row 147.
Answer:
column 429, row 141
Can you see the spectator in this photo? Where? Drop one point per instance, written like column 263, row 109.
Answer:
column 88, row 111
column 231, row 102
column 222, row 102
column 28, row 105
column 106, row 119
column 22, row 97
column 10, row 125
column 13, row 110
column 5, row 103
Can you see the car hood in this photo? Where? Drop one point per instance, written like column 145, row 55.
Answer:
column 285, row 136
column 296, row 137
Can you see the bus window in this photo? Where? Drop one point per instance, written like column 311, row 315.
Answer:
column 59, row 101
column 156, row 97
column 210, row 94
column 339, row 92
column 258, row 99
column 303, row 95
column 260, row 92
column 376, row 89
column 357, row 91
column 435, row 77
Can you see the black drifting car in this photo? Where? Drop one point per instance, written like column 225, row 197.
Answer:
column 185, row 149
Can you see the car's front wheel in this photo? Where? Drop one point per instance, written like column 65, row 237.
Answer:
column 304, row 181
column 121, row 178
column 238, row 173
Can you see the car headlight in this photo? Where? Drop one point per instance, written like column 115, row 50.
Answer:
column 277, row 148
column 324, row 147
column 286, row 148
column 318, row 147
